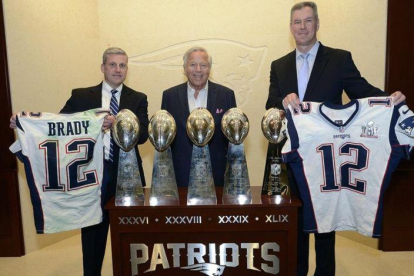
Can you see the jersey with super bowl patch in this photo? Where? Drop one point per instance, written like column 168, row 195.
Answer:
column 63, row 160
column 342, row 158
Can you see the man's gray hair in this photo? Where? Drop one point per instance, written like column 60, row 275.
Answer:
column 301, row 5
column 196, row 49
column 112, row 51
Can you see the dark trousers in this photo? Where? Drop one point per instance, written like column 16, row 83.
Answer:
column 324, row 244
column 94, row 237
column 324, row 249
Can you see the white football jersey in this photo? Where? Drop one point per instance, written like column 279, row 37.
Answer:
column 342, row 158
column 63, row 160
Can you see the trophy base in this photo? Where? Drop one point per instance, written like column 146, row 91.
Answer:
column 274, row 199
column 129, row 201
column 201, row 189
column 129, row 190
column 236, row 189
column 164, row 201
column 202, row 201
column 275, row 180
column 164, row 190
column 237, row 199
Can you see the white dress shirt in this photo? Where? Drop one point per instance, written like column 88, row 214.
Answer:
column 201, row 100
column 311, row 58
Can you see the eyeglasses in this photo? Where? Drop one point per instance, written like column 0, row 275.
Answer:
column 113, row 65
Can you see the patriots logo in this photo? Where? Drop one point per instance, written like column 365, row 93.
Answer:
column 207, row 268
column 408, row 125
column 275, row 169
column 235, row 65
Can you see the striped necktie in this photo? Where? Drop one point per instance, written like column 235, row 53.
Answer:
column 303, row 77
column 114, row 107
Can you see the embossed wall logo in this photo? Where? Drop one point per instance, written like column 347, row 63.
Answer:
column 158, row 257
column 233, row 219
column 235, row 64
column 276, row 218
column 133, row 220
column 183, row 219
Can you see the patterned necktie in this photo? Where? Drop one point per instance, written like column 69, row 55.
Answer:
column 303, row 76
column 114, row 110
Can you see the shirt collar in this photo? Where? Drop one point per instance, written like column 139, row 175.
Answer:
column 106, row 87
column 192, row 90
column 312, row 52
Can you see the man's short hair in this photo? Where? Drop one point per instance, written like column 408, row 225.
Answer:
column 112, row 51
column 196, row 49
column 301, row 5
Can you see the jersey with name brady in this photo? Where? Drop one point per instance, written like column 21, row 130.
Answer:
column 63, row 160
column 342, row 158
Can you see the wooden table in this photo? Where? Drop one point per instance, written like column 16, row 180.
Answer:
column 254, row 239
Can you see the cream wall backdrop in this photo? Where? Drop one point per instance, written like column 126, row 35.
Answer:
column 55, row 46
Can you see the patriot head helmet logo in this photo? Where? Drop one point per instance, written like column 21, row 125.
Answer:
column 207, row 268
column 235, row 65
column 407, row 125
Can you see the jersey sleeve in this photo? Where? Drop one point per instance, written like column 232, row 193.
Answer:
column 405, row 122
column 289, row 151
column 404, row 128
column 19, row 147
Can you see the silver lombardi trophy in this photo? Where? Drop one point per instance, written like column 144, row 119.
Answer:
column 235, row 126
column 275, row 181
column 125, row 133
column 162, row 130
column 200, row 129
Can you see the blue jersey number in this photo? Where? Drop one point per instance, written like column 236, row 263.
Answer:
column 82, row 152
column 346, row 181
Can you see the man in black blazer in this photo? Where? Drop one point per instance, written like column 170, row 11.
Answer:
column 328, row 73
column 182, row 99
column 114, row 68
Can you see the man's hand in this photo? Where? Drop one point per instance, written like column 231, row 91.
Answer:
column 13, row 121
column 292, row 100
column 108, row 121
column 398, row 97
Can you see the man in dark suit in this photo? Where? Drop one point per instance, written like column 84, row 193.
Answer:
column 114, row 68
column 180, row 100
column 314, row 72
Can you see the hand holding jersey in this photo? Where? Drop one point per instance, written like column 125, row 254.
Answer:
column 343, row 156
column 63, row 159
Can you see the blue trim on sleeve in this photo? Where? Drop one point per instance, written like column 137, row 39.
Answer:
column 309, row 219
column 293, row 134
column 18, row 125
column 34, row 195
column 397, row 152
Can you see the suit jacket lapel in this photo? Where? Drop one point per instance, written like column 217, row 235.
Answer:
column 318, row 67
column 291, row 72
column 182, row 95
column 95, row 96
column 212, row 97
column 125, row 96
